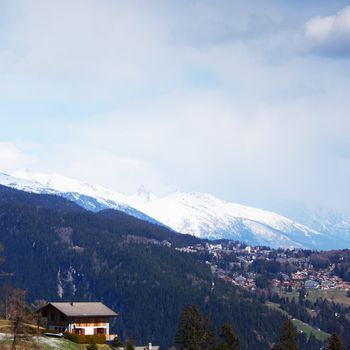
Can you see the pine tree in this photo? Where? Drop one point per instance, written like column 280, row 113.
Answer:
column 230, row 339
column 117, row 342
column 129, row 345
column 276, row 347
column 194, row 332
column 289, row 337
column 334, row 343
column 302, row 295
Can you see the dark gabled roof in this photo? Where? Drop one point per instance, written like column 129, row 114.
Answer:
column 89, row 309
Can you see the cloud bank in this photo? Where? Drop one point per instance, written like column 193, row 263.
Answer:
column 12, row 156
column 330, row 35
column 196, row 96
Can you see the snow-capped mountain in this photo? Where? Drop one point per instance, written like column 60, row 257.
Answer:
column 199, row 214
column 83, row 194
column 206, row 216
column 320, row 219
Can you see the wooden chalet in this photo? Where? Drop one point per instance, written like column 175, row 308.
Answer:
column 80, row 318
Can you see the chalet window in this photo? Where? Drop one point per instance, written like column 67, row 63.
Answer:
column 100, row 331
column 79, row 331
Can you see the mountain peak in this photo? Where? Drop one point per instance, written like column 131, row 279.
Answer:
column 145, row 194
column 199, row 214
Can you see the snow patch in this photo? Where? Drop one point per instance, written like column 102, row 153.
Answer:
column 199, row 214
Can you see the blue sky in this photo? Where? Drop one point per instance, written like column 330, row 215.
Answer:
column 247, row 100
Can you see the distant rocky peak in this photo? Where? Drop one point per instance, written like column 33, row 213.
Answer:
column 145, row 194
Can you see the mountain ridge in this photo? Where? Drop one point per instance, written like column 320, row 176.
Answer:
column 124, row 262
column 198, row 214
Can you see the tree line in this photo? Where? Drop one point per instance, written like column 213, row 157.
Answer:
column 195, row 332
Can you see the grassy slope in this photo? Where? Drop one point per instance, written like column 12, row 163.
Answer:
column 336, row 295
column 31, row 341
column 41, row 343
column 301, row 326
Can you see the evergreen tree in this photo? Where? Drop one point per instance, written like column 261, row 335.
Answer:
column 302, row 295
column 289, row 337
column 117, row 342
column 276, row 347
column 230, row 339
column 129, row 345
column 194, row 332
column 334, row 343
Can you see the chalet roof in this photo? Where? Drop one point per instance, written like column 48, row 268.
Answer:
column 88, row 309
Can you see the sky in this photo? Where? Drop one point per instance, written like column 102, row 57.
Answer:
column 247, row 100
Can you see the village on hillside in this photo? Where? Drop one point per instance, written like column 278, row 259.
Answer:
column 242, row 265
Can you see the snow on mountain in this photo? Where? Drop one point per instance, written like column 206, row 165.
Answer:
column 93, row 198
column 199, row 214
column 206, row 216
column 320, row 219
column 19, row 183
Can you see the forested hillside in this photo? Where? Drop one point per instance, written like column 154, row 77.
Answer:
column 58, row 251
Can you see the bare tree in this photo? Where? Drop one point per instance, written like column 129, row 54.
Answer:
column 13, row 308
column 37, row 316
column 12, row 302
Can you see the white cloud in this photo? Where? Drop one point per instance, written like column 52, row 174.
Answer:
column 13, row 157
column 330, row 34
column 204, row 142
column 80, row 50
column 116, row 90
column 99, row 162
column 320, row 28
